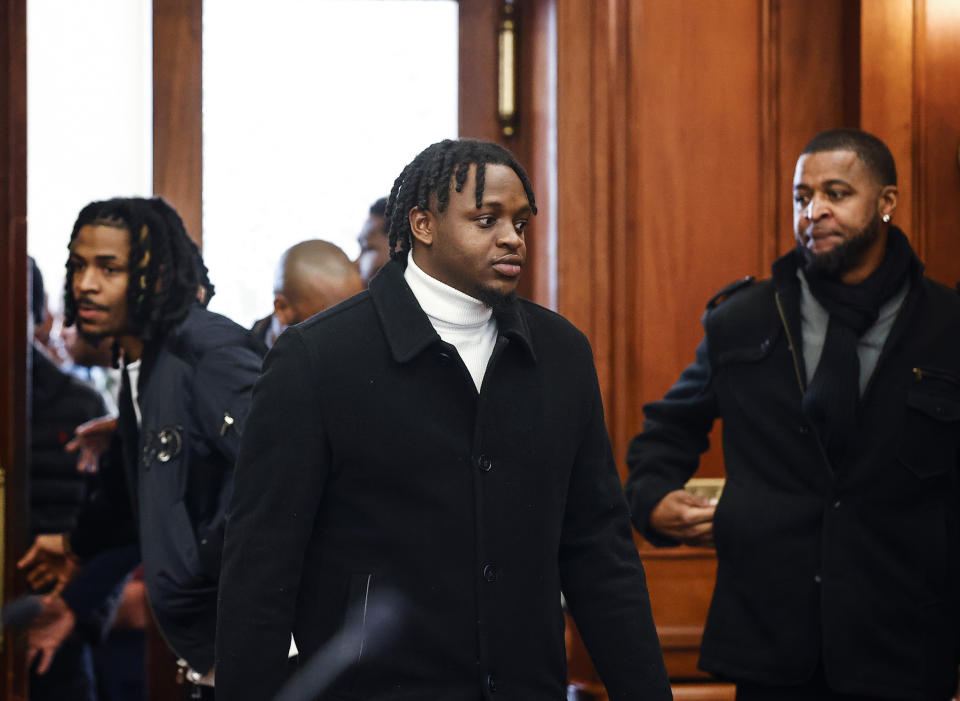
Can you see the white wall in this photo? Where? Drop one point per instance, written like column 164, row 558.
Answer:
column 311, row 109
column 89, row 117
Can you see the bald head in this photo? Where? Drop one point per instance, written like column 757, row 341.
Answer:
column 312, row 276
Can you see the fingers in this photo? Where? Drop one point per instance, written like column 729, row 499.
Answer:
column 29, row 558
column 87, row 460
column 46, row 657
column 40, row 577
column 695, row 515
column 32, row 653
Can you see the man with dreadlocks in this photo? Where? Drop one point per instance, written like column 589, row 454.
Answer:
column 135, row 275
column 489, row 490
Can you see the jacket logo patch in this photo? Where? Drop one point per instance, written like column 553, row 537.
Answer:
column 164, row 445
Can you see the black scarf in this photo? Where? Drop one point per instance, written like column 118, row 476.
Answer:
column 830, row 402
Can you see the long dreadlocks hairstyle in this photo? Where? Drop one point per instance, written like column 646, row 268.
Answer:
column 167, row 274
column 430, row 173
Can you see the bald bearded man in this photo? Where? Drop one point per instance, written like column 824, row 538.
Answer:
column 311, row 276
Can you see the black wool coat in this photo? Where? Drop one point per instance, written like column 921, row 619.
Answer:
column 370, row 464
column 854, row 564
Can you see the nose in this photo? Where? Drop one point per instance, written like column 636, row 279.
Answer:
column 509, row 238
column 86, row 279
column 816, row 208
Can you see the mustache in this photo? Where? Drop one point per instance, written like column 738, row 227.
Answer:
column 87, row 303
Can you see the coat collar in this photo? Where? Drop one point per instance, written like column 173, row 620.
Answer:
column 407, row 328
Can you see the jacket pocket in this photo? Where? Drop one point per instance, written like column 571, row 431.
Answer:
column 931, row 424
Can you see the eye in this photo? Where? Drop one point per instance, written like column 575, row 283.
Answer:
column 801, row 199
column 486, row 221
column 836, row 195
column 520, row 225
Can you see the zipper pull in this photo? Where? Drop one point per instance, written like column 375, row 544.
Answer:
column 227, row 423
column 918, row 374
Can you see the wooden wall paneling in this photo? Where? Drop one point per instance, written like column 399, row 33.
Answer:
column 937, row 143
column 696, row 122
column 886, row 92
column 910, row 67
column 818, row 86
column 478, row 70
column 178, row 109
column 534, row 143
column 584, row 201
column 13, row 326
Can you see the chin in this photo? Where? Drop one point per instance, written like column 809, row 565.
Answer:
column 495, row 297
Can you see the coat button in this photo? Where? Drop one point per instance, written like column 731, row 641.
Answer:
column 490, row 572
column 836, row 504
column 484, row 463
column 765, row 344
column 444, row 357
column 817, row 578
column 804, row 430
column 491, row 684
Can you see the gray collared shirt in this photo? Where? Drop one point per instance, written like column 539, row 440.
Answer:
column 813, row 323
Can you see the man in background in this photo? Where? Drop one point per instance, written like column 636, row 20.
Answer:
column 135, row 275
column 311, row 276
column 374, row 245
column 838, row 383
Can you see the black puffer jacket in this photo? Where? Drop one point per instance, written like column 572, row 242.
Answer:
column 59, row 404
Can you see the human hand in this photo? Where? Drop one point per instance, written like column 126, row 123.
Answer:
column 48, row 631
column 92, row 439
column 49, row 561
column 685, row 517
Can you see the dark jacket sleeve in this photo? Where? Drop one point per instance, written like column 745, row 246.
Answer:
column 675, row 435
column 601, row 574
column 223, row 386
column 280, row 476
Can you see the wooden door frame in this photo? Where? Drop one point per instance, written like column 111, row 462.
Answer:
column 13, row 322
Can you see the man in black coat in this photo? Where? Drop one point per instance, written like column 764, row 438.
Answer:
column 441, row 441
column 135, row 275
column 838, row 382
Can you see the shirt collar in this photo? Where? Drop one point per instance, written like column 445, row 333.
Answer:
column 406, row 326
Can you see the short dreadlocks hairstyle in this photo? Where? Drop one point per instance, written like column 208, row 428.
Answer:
column 431, row 172
column 167, row 274
column 869, row 149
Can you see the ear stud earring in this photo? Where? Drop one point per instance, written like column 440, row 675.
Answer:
column 886, row 218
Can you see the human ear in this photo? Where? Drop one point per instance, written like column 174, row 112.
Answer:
column 283, row 309
column 887, row 202
column 422, row 225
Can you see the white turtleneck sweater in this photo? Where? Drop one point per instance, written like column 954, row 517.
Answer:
column 462, row 321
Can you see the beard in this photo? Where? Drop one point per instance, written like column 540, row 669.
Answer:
column 494, row 298
column 91, row 337
column 845, row 256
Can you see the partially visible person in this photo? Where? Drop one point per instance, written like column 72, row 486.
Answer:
column 134, row 275
column 59, row 403
column 838, row 384
column 374, row 242
column 311, row 276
